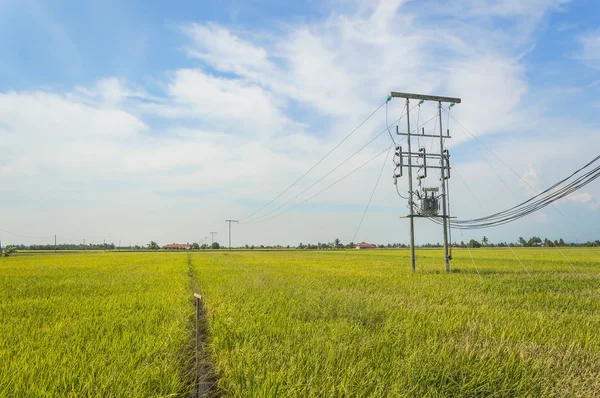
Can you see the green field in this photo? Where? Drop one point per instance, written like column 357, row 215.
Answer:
column 331, row 323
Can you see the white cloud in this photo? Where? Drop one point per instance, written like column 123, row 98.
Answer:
column 530, row 177
column 219, row 47
column 582, row 197
column 224, row 102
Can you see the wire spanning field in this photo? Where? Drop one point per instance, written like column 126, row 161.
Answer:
column 96, row 324
column 298, row 323
column 360, row 324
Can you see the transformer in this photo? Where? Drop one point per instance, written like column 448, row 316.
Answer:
column 430, row 204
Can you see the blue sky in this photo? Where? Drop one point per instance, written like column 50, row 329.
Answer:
column 193, row 112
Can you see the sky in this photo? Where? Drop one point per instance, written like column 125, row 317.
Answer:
column 145, row 120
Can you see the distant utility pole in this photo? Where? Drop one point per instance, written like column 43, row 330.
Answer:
column 54, row 243
column 429, row 197
column 212, row 237
column 231, row 221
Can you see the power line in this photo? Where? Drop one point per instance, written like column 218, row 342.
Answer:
column 514, row 172
column 326, row 175
column 326, row 188
column 331, row 171
column 319, row 162
column 372, row 194
column 537, row 202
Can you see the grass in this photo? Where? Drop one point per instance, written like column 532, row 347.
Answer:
column 94, row 325
column 360, row 324
column 299, row 323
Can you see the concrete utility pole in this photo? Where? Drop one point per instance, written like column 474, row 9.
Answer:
column 212, row 237
column 411, row 206
column 429, row 197
column 443, row 181
column 55, row 244
column 231, row 221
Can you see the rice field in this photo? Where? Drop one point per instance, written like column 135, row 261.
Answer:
column 298, row 323
column 96, row 324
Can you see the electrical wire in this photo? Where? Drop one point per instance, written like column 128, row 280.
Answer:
column 328, row 173
column 324, row 189
column 319, row 162
column 372, row 194
column 550, row 195
column 514, row 172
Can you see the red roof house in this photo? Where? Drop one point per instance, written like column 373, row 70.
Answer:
column 176, row 246
column 365, row 245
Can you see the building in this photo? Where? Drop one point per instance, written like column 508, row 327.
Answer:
column 365, row 245
column 177, row 246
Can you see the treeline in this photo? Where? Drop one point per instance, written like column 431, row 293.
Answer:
column 534, row 241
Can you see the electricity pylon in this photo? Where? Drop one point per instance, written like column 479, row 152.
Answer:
column 429, row 198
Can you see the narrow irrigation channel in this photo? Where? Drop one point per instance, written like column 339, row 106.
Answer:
column 202, row 373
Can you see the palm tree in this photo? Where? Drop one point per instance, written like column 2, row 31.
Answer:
column 484, row 241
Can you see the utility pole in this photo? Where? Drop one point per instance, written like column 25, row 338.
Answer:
column 231, row 221
column 54, row 243
column 212, row 237
column 429, row 197
column 411, row 206
column 443, row 181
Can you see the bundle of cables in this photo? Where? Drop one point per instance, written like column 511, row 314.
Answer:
column 561, row 189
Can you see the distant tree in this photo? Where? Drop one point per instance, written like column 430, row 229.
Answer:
column 195, row 246
column 474, row 244
column 215, row 245
column 484, row 241
column 153, row 245
column 534, row 241
column 522, row 241
column 548, row 242
column 561, row 242
column 337, row 243
column 301, row 245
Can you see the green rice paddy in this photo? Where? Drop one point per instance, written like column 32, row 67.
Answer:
column 299, row 323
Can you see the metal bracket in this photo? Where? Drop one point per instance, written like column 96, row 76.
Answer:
column 446, row 158
column 424, row 156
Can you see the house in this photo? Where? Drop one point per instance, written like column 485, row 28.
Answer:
column 364, row 245
column 176, row 246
